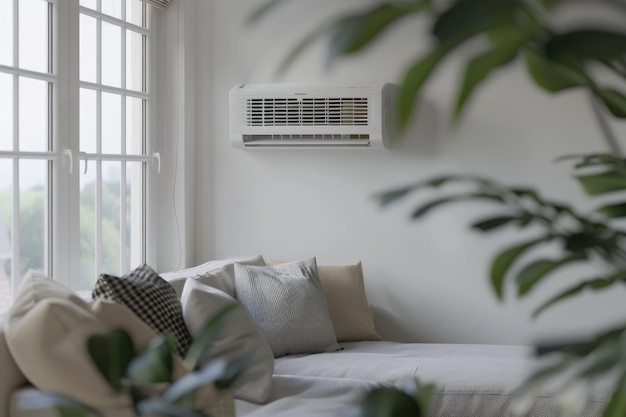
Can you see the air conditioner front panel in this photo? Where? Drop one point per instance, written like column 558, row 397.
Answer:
column 307, row 116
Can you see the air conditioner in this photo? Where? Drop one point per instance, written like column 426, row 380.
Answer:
column 288, row 116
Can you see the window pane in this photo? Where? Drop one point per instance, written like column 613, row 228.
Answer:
column 134, row 12
column 111, row 206
column 112, row 8
column 134, row 60
column 134, row 126
column 91, row 4
column 134, row 215
column 33, row 35
column 88, row 48
column 6, row 206
column 88, row 125
column 33, row 115
column 6, row 112
column 88, row 228
column 111, row 123
column 6, row 32
column 33, row 196
column 111, row 55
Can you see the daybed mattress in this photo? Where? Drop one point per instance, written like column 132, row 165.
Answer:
column 472, row 380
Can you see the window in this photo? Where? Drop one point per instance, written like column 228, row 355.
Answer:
column 73, row 139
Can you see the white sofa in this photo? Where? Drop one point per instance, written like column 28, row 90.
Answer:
column 472, row 380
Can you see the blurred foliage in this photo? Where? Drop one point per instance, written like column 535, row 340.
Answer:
column 147, row 376
column 32, row 220
column 556, row 59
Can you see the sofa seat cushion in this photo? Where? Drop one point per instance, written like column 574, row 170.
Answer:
column 470, row 379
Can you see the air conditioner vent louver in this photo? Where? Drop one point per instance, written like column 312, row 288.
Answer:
column 308, row 116
column 344, row 111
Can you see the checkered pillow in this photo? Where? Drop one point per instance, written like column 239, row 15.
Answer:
column 150, row 297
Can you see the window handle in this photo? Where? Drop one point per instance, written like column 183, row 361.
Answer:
column 70, row 156
column 83, row 155
column 157, row 156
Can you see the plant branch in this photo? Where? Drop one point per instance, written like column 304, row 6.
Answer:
column 609, row 135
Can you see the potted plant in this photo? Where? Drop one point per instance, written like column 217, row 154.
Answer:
column 556, row 61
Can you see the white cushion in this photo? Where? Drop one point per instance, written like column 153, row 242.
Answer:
column 218, row 273
column 288, row 306
column 239, row 338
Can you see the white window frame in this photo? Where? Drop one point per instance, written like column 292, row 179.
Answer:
column 62, row 227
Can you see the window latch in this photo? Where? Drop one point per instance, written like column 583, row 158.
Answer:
column 70, row 156
column 157, row 156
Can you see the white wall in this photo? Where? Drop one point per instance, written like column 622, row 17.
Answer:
column 427, row 280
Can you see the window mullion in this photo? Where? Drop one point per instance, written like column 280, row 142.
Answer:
column 65, row 215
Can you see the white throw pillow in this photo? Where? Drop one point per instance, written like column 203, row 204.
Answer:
column 288, row 305
column 239, row 338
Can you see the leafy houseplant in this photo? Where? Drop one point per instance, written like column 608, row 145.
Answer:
column 146, row 376
column 555, row 60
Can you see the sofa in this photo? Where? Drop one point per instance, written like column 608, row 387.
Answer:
column 327, row 369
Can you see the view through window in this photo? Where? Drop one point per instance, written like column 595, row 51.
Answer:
column 109, row 140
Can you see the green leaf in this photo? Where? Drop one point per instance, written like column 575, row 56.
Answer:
column 581, row 349
column 261, row 11
column 387, row 401
column 424, row 397
column 536, row 271
column 466, row 18
column 505, row 259
column 550, row 75
column 614, row 100
column 613, row 210
column 414, row 79
column 36, row 400
column 583, row 45
column 422, row 210
column 388, row 197
column 208, row 336
column 493, row 223
column 617, row 405
column 355, row 32
column 214, row 371
column 111, row 353
column 159, row 407
column 481, row 66
column 155, row 363
column 234, row 369
column 604, row 182
column 594, row 284
column 526, row 394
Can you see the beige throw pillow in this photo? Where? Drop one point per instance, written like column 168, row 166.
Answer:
column 47, row 330
column 349, row 310
column 239, row 338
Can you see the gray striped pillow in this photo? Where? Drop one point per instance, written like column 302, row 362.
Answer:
column 288, row 306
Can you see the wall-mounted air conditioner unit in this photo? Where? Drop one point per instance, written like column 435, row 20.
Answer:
column 283, row 115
